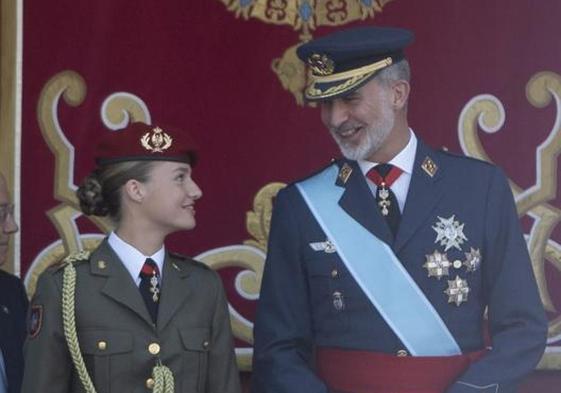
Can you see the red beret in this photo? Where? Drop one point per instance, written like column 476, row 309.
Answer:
column 140, row 141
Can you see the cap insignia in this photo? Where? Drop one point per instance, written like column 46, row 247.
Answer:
column 321, row 65
column 429, row 166
column 156, row 140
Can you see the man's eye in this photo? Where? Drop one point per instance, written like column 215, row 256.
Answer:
column 180, row 177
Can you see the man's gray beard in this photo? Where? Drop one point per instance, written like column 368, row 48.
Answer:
column 373, row 140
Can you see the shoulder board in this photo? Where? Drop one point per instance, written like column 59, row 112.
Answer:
column 445, row 151
column 177, row 255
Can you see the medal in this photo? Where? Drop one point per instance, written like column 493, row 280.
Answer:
column 154, row 287
column 473, row 259
column 437, row 264
column 457, row 291
column 338, row 301
column 384, row 196
column 450, row 233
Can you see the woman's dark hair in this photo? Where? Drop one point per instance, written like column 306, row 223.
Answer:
column 100, row 192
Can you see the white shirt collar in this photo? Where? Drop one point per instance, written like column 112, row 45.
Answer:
column 133, row 259
column 404, row 160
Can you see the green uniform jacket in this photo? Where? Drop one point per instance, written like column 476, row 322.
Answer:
column 115, row 330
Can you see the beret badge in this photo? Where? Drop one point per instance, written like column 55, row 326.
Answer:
column 156, row 140
column 321, row 65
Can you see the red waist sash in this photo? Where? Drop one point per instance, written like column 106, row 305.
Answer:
column 346, row 371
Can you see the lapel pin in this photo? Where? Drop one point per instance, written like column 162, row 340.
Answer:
column 345, row 173
column 429, row 166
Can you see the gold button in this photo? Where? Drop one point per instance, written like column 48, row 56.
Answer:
column 402, row 353
column 150, row 383
column 334, row 273
column 101, row 264
column 205, row 344
column 102, row 345
column 154, row 348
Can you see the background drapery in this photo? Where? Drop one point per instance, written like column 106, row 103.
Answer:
column 486, row 82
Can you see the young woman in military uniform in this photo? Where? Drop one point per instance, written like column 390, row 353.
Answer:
column 132, row 316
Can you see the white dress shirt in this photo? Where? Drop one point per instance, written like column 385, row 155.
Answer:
column 134, row 259
column 404, row 160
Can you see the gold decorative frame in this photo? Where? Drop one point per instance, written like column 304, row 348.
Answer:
column 10, row 110
column 487, row 113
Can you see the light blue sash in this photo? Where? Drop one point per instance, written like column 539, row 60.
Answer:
column 378, row 272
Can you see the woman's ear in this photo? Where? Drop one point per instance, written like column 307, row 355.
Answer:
column 134, row 190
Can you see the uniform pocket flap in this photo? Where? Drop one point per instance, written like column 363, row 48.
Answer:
column 103, row 342
column 196, row 339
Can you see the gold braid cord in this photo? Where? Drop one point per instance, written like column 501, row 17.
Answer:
column 163, row 379
column 69, row 325
column 163, row 376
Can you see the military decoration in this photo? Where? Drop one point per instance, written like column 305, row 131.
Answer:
column 473, row 259
column 457, row 291
column 384, row 195
column 338, row 301
column 154, row 287
column 35, row 321
column 450, row 233
column 156, row 141
column 437, row 264
column 345, row 173
column 327, row 246
column 429, row 166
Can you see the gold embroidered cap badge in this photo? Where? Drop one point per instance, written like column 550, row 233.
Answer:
column 321, row 65
column 156, row 140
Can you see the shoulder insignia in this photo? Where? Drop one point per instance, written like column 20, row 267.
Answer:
column 429, row 166
column 35, row 320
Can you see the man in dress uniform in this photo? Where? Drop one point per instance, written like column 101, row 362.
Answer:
column 381, row 267
column 13, row 304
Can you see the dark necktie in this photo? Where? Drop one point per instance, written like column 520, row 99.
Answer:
column 384, row 175
column 150, row 287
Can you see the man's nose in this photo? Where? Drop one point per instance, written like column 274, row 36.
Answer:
column 9, row 225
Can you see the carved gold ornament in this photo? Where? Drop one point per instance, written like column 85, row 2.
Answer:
column 156, row 141
column 304, row 16
column 487, row 113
